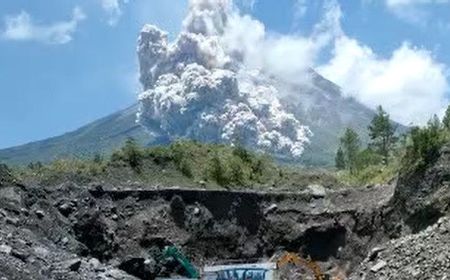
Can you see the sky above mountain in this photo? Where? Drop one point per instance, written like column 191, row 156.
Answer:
column 65, row 63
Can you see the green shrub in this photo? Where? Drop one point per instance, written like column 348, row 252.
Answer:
column 424, row 144
column 340, row 159
column 182, row 163
column 98, row 158
column 130, row 153
column 185, row 168
column 219, row 171
column 372, row 174
column 242, row 153
column 367, row 157
column 238, row 172
column 36, row 166
column 160, row 155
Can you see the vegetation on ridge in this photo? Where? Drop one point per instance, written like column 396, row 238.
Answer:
column 388, row 153
column 184, row 164
column 194, row 164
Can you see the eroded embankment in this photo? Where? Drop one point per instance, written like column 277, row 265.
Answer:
column 125, row 230
column 420, row 218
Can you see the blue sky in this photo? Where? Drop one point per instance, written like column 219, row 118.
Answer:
column 65, row 63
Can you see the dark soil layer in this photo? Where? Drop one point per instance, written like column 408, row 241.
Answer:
column 79, row 232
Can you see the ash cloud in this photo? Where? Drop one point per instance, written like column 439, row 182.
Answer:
column 212, row 84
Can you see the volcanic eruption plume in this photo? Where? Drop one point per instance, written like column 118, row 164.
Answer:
column 202, row 87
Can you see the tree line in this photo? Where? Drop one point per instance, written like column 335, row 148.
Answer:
column 419, row 146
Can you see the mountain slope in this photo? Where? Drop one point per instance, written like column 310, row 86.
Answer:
column 320, row 105
column 100, row 136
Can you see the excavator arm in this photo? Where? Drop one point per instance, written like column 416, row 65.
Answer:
column 173, row 252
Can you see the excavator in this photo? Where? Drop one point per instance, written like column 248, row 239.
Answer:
column 256, row 271
column 174, row 253
column 294, row 259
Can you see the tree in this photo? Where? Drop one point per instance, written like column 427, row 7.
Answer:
column 381, row 132
column 98, row 158
column 425, row 145
column 35, row 165
column 435, row 124
column 237, row 171
column 340, row 159
column 446, row 119
column 218, row 171
column 132, row 153
column 350, row 144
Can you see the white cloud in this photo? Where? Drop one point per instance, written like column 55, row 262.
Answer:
column 397, row 3
column 409, row 84
column 113, row 9
column 288, row 57
column 413, row 11
column 249, row 4
column 300, row 9
column 329, row 27
column 22, row 28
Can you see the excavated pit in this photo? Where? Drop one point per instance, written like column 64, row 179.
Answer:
column 126, row 230
column 100, row 232
column 321, row 245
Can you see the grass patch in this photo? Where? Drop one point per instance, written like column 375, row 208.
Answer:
column 370, row 175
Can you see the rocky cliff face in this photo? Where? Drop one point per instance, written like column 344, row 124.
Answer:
column 418, row 220
column 422, row 195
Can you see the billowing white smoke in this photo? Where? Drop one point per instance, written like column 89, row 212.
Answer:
column 198, row 87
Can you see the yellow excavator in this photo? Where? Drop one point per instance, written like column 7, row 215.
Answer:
column 294, row 259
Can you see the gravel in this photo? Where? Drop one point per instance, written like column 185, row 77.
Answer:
column 424, row 255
